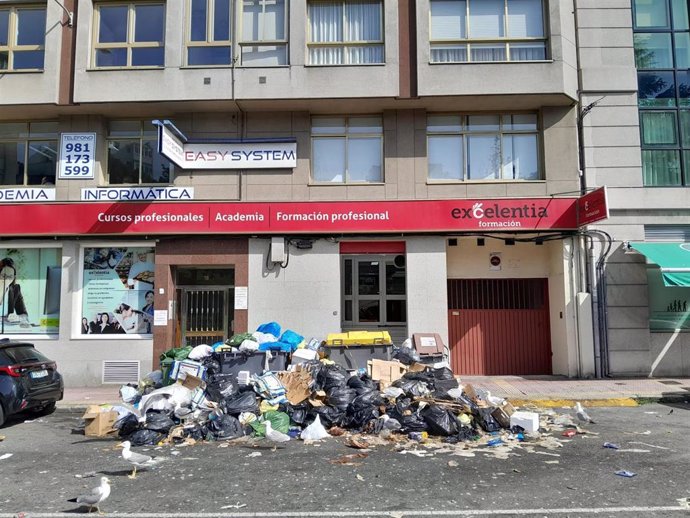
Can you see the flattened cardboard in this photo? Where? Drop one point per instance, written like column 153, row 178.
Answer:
column 502, row 414
column 382, row 370
column 190, row 381
column 99, row 422
column 296, row 385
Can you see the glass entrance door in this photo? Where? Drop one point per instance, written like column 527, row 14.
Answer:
column 375, row 293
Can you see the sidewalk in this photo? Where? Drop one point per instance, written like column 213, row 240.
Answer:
column 544, row 391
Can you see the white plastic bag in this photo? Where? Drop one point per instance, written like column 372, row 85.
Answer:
column 315, row 431
column 200, row 352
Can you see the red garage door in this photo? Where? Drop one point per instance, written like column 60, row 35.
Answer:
column 499, row 326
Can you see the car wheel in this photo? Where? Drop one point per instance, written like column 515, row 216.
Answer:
column 2, row 416
column 46, row 409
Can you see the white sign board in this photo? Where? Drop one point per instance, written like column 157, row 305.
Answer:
column 160, row 317
column 77, row 156
column 241, row 297
column 264, row 154
column 27, row 194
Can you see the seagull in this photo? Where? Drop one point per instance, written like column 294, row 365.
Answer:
column 97, row 495
column 275, row 435
column 138, row 460
column 582, row 416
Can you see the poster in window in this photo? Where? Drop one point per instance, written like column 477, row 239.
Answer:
column 118, row 290
column 30, row 287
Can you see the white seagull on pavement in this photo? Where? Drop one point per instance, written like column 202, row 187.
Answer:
column 582, row 416
column 275, row 436
column 97, row 495
column 138, row 460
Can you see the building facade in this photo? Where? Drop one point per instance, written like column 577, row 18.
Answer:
column 331, row 166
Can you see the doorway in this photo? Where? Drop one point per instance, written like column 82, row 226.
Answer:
column 375, row 294
column 205, row 301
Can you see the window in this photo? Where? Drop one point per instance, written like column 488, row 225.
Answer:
column 483, row 147
column 209, row 37
column 28, row 153
column 465, row 31
column 118, row 290
column 30, row 287
column 129, row 35
column 133, row 156
column 662, row 57
column 264, row 29
column 347, row 149
column 22, row 38
column 345, row 32
column 668, row 306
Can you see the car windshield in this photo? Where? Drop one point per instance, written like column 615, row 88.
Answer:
column 20, row 354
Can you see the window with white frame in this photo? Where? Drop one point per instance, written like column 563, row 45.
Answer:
column 345, row 32
column 264, row 30
column 347, row 149
column 209, row 33
column 133, row 156
column 483, row 147
column 28, row 153
column 22, row 37
column 463, row 31
column 129, row 35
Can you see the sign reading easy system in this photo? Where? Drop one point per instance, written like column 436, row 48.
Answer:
column 77, row 151
column 225, row 154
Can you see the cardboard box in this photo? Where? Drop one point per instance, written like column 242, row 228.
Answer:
column 381, row 370
column 188, row 367
column 502, row 414
column 99, row 421
column 190, row 381
column 297, row 385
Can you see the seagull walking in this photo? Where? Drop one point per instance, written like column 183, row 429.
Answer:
column 97, row 495
column 275, row 436
column 582, row 416
column 138, row 460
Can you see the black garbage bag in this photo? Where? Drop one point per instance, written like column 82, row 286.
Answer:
column 412, row 423
column 486, row 420
column 226, row 427
column 361, row 382
column 441, row 387
column 359, row 417
column 197, row 432
column 241, row 402
column 212, row 365
column 331, row 376
column 330, row 416
column 405, row 355
column 297, row 413
column 412, row 387
column 441, row 421
column 366, row 398
column 340, row 397
column 126, row 425
column 442, row 373
column 465, row 433
column 145, row 437
column 158, row 421
column 221, row 386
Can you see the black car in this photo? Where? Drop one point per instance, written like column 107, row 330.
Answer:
column 28, row 380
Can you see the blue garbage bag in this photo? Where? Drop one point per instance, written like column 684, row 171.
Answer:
column 292, row 338
column 271, row 328
column 275, row 346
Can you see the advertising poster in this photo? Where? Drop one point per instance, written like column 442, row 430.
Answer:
column 30, row 286
column 118, row 290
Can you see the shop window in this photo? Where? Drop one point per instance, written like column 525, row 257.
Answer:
column 22, row 37
column 28, row 153
column 662, row 57
column 209, row 33
column 465, row 31
column 264, row 29
column 669, row 307
column 118, row 290
column 347, row 149
column 345, row 32
column 133, row 156
column 483, row 147
column 129, row 35
column 30, row 282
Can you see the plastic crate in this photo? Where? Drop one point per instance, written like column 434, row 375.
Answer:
column 233, row 363
column 354, row 357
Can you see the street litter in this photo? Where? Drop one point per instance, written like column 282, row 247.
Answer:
column 234, row 506
column 254, row 454
column 611, row 446
column 348, row 460
column 273, row 385
column 624, row 473
column 6, row 456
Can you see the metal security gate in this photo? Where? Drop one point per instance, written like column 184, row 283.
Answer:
column 205, row 315
column 499, row 326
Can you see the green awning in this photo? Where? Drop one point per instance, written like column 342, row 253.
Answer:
column 673, row 260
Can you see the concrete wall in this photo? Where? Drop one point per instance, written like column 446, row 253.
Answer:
column 304, row 296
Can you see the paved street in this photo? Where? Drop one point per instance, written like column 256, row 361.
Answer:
column 246, row 480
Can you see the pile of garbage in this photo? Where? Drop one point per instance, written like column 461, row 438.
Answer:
column 232, row 390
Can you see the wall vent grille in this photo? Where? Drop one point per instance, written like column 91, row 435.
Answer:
column 124, row 371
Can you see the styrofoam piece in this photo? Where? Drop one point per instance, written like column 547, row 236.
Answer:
column 528, row 421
